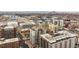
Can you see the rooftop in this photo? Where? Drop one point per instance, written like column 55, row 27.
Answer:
column 62, row 35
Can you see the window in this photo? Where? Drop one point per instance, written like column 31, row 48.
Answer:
column 55, row 22
column 70, row 43
column 60, row 45
column 65, row 44
column 55, row 45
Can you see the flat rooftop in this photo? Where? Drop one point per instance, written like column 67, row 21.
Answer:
column 62, row 35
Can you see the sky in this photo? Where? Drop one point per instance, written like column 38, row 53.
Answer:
column 39, row 5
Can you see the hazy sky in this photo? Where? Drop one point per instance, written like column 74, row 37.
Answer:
column 39, row 5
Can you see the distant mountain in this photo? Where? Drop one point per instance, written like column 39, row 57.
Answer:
column 23, row 12
column 64, row 12
column 36, row 12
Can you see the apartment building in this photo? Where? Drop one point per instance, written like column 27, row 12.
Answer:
column 59, row 22
column 63, row 40
column 9, row 32
column 9, row 43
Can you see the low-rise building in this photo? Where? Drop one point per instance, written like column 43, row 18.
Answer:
column 12, row 23
column 1, row 32
column 10, row 43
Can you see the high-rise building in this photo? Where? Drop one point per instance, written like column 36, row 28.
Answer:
column 35, row 34
column 63, row 40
